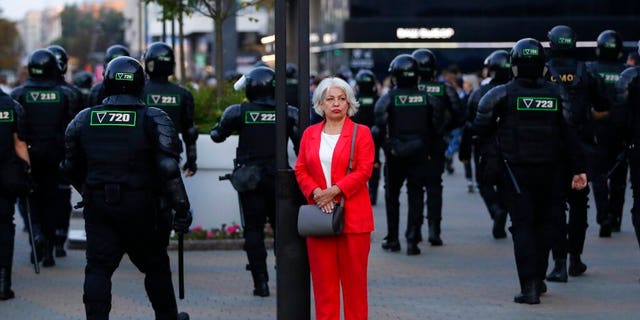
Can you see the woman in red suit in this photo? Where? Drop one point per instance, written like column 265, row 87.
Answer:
column 321, row 171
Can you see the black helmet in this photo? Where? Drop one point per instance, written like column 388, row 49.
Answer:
column 609, row 45
column 61, row 56
column 43, row 65
column 499, row 66
column 366, row 81
column 344, row 73
column 260, row 83
column 291, row 71
column 404, row 71
column 123, row 75
column 426, row 63
column 83, row 79
column 562, row 39
column 527, row 59
column 159, row 60
column 115, row 51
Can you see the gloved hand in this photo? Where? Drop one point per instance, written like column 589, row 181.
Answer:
column 182, row 221
column 190, row 168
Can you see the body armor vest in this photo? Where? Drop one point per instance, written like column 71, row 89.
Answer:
column 409, row 114
column 7, row 126
column 257, row 140
column 365, row 113
column 168, row 97
column 610, row 73
column 117, row 148
column 530, row 125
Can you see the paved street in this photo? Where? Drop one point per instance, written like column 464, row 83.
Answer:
column 471, row 277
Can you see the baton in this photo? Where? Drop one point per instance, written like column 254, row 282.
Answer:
column 619, row 159
column 181, row 265
column 512, row 176
column 34, row 250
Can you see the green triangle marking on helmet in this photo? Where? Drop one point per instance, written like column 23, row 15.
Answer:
column 565, row 40
column 124, row 76
column 530, row 52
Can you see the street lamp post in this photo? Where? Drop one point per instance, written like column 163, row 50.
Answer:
column 293, row 292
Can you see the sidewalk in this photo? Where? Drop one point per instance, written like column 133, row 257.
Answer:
column 471, row 277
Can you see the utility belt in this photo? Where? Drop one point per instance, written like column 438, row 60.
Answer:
column 113, row 193
column 247, row 176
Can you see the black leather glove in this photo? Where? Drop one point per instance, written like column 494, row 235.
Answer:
column 182, row 221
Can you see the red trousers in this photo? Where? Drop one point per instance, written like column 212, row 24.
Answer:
column 336, row 261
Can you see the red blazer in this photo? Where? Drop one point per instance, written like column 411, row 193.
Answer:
column 358, row 214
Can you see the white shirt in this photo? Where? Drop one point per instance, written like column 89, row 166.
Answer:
column 327, row 144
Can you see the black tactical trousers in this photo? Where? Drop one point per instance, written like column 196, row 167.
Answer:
column 63, row 210
column 573, row 231
column 534, row 213
column 127, row 224
column 608, row 192
column 7, row 231
column 634, row 166
column 44, row 202
column 414, row 170
column 258, row 208
column 433, row 185
column 491, row 194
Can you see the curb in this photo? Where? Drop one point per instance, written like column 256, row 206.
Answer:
column 77, row 241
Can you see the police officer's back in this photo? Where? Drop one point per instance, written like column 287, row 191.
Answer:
column 609, row 191
column 589, row 101
column 97, row 92
column 175, row 100
column 63, row 60
column 48, row 109
column 535, row 146
column 84, row 81
column 124, row 156
column 254, row 173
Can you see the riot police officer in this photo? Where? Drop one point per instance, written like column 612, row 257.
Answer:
column 12, row 144
column 124, row 155
column 48, row 109
column 291, row 90
column 254, row 173
column 84, row 81
column 590, row 102
column 64, row 189
column 406, row 124
column 175, row 100
column 97, row 94
column 499, row 70
column 628, row 103
column 367, row 94
column 446, row 96
column 608, row 192
column 534, row 143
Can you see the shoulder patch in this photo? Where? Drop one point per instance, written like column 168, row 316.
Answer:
column 6, row 116
column 260, row 117
column 536, row 104
column 117, row 118
column 610, row 77
column 366, row 101
column 410, row 100
column 163, row 100
column 42, row 96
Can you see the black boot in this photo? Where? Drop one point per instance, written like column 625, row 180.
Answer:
column 412, row 249
column 542, row 287
column 499, row 221
column 528, row 293
column 434, row 233
column 559, row 272
column 61, row 238
column 5, row 284
column 576, row 266
column 392, row 245
column 260, row 284
column 605, row 229
column 47, row 257
column 183, row 316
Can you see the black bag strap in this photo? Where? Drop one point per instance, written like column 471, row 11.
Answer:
column 353, row 147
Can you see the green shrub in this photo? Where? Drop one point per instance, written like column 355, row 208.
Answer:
column 207, row 109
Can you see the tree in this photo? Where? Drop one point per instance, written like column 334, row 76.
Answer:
column 10, row 46
column 85, row 32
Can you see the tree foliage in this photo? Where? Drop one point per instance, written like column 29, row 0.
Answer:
column 85, row 33
column 10, row 45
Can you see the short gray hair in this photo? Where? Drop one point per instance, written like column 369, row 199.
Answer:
column 334, row 82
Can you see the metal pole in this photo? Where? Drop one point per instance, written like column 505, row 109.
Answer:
column 293, row 297
column 303, row 64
